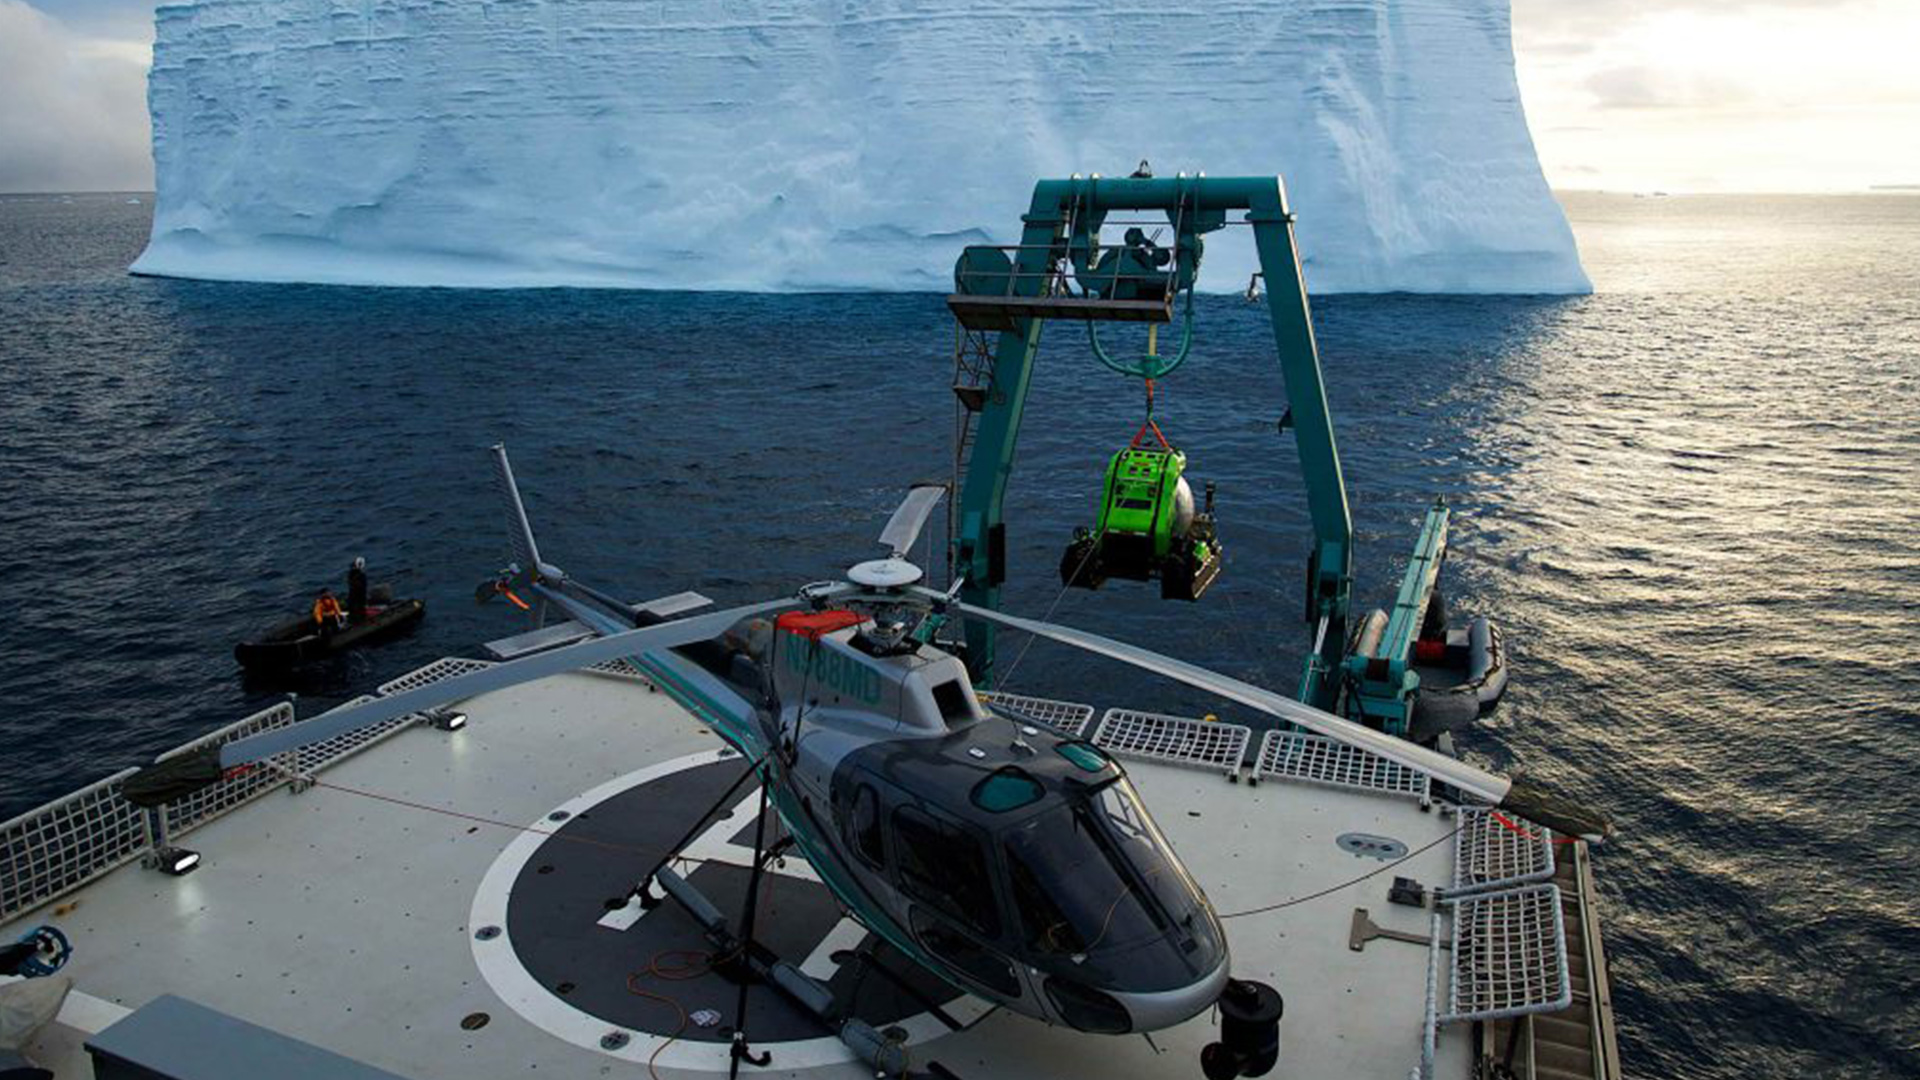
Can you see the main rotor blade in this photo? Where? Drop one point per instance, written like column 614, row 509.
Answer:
column 1479, row 782
column 498, row 677
column 903, row 528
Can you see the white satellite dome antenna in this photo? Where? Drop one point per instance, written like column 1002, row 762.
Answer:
column 903, row 528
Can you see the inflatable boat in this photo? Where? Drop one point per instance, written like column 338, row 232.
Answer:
column 297, row 641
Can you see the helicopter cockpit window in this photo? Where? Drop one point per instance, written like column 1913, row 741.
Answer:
column 1084, row 756
column 1007, row 788
column 863, row 825
column 971, row 958
column 944, row 867
column 1093, row 874
column 951, row 697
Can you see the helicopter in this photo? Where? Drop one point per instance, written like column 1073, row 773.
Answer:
column 1009, row 859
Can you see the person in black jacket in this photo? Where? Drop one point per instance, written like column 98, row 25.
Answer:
column 13, row 958
column 357, row 591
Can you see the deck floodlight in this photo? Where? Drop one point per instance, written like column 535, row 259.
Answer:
column 175, row 862
column 448, row 719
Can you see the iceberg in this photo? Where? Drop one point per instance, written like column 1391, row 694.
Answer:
column 824, row 144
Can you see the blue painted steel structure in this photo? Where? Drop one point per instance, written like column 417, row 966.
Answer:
column 1017, row 294
column 1380, row 674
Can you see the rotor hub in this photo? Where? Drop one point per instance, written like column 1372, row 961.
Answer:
column 893, row 573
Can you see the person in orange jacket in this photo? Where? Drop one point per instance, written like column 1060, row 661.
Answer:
column 327, row 615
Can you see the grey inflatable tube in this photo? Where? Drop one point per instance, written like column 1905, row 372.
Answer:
column 1454, row 707
column 1487, row 664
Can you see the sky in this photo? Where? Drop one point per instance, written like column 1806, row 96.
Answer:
column 1722, row 95
column 1622, row 95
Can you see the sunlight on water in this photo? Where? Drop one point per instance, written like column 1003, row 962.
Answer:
column 1688, row 499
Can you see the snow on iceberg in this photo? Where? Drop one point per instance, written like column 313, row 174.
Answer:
column 824, row 144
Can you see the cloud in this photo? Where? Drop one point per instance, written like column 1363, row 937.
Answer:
column 1645, row 87
column 1742, row 95
column 73, row 109
column 1586, row 20
column 130, row 20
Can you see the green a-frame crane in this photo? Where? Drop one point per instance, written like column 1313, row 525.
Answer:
column 1061, row 271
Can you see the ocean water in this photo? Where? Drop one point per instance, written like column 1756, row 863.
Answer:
column 1691, row 500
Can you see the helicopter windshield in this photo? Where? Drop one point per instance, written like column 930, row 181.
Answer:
column 1094, row 875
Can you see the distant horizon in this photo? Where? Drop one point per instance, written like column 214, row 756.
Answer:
column 1872, row 189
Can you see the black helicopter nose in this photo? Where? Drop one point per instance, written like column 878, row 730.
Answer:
column 1105, row 1011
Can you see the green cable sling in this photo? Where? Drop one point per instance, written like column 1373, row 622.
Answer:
column 1148, row 367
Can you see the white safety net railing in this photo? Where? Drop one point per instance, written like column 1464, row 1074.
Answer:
column 439, row 671
column 1509, row 955
column 1508, row 958
column 189, row 812
column 1178, row 740
column 54, row 849
column 619, row 668
column 1316, row 759
column 313, row 757
column 1070, row 717
column 1490, row 852
column 49, row 852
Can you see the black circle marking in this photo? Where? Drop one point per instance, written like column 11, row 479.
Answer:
column 567, row 886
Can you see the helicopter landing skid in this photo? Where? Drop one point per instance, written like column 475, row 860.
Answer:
column 867, row 961
column 750, row 962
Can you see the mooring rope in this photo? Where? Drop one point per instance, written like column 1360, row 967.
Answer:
column 1330, row 890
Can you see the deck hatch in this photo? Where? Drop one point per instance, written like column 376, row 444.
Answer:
column 173, row 1037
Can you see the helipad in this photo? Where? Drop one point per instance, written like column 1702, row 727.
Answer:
column 350, row 915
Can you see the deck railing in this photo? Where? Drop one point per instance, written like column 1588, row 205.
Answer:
column 1176, row 740
column 1307, row 758
column 1068, row 717
column 189, row 812
column 1508, row 959
column 48, row 852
